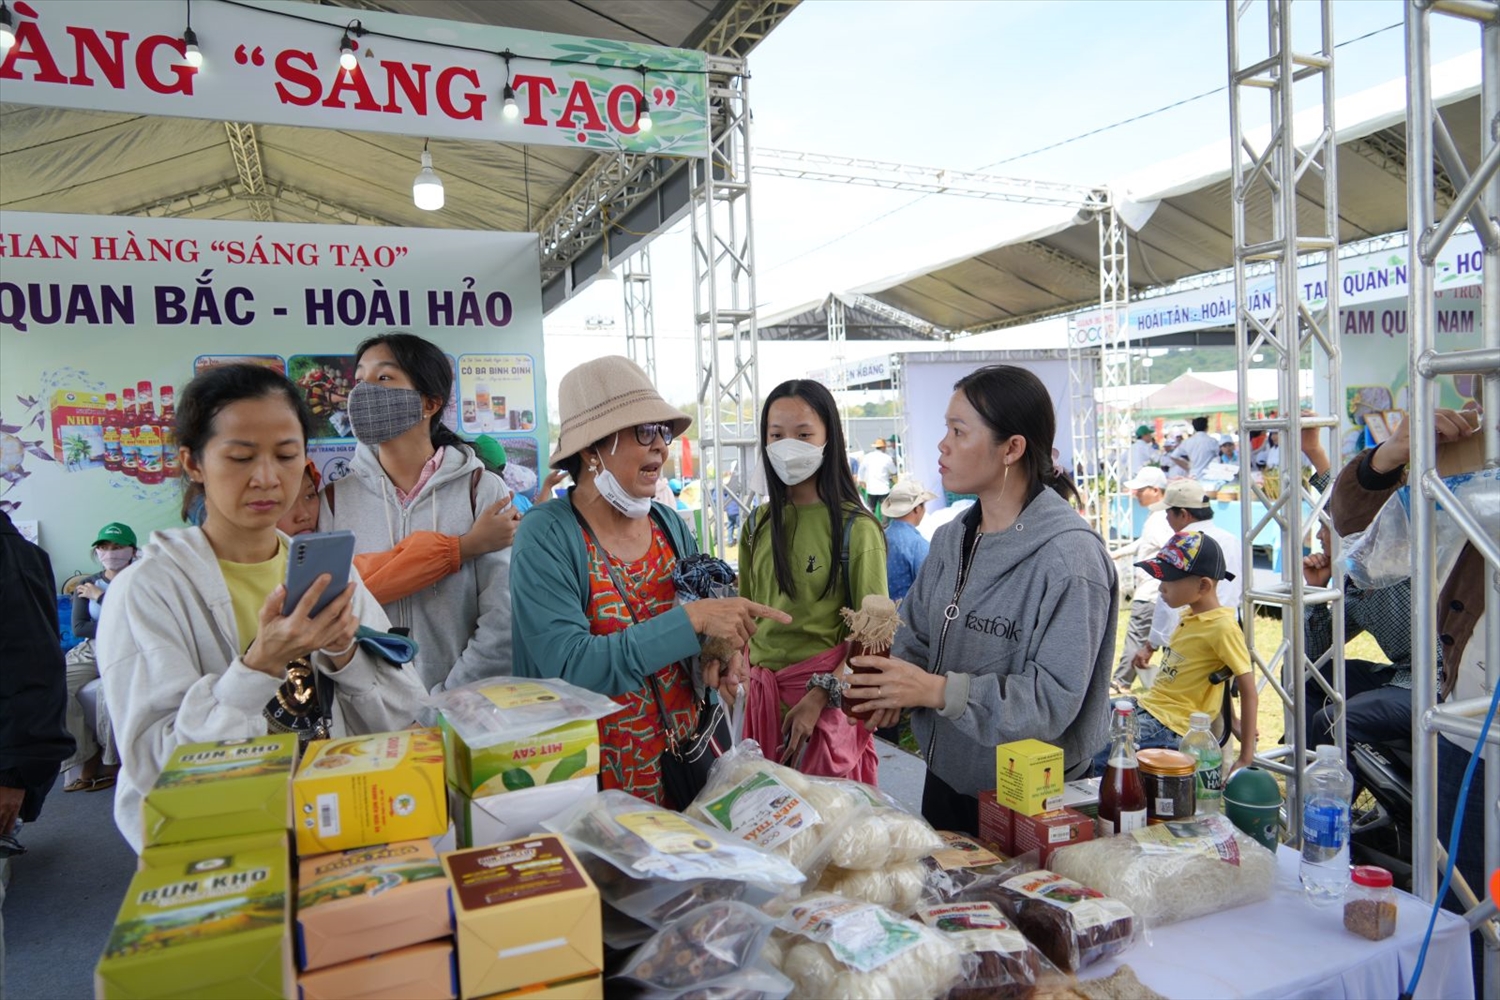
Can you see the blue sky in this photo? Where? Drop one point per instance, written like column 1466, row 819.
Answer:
column 964, row 85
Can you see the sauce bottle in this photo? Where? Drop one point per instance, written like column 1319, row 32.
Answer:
column 112, row 457
column 1122, row 794
column 168, row 410
column 129, row 456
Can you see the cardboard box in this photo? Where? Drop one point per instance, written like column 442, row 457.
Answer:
column 1083, row 795
column 513, row 815
column 527, row 913
column 362, row 791
column 368, row 900
column 1048, row 831
column 209, row 925
column 585, row 988
column 172, row 854
column 550, row 757
column 225, row 789
column 426, row 971
column 1028, row 776
column 994, row 822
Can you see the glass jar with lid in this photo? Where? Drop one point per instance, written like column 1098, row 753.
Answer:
column 1170, row 777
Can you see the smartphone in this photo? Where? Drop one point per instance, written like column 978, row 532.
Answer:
column 309, row 557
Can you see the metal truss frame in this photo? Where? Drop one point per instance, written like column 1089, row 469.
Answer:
column 1477, row 200
column 1113, row 411
column 723, row 252
column 640, row 311
column 245, row 149
column 305, row 204
column 1270, row 175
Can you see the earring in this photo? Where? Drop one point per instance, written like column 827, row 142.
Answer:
column 593, row 466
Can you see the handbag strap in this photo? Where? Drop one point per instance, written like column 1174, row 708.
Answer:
column 619, row 584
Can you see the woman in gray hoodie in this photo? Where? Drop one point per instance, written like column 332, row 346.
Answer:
column 1009, row 628
column 412, row 473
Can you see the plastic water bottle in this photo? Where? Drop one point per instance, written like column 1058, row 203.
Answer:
column 1327, row 789
column 1200, row 744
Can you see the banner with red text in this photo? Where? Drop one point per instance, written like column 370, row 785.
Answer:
column 274, row 62
column 103, row 320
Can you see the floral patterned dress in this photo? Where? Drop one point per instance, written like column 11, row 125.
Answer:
column 632, row 741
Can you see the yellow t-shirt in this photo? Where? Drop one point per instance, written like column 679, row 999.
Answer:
column 1200, row 645
column 816, row 624
column 248, row 584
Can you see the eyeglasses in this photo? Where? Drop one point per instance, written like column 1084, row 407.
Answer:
column 646, row 433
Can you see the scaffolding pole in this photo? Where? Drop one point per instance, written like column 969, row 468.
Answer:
column 723, row 249
column 640, row 312
column 1427, row 139
column 1264, row 184
column 1114, row 415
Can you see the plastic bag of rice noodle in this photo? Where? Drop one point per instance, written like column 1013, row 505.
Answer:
column 833, row 948
column 703, row 947
column 890, row 835
column 646, row 841
column 1174, row 871
column 770, row 805
column 897, row 887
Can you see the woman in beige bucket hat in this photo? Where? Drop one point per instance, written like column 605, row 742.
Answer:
column 592, row 586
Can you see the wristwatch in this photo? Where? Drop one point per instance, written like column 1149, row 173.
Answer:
column 830, row 685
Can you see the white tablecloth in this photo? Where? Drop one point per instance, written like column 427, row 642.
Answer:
column 1287, row 947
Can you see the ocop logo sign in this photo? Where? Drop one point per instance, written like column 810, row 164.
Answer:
column 1093, row 328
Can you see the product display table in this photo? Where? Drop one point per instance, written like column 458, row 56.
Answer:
column 1287, row 947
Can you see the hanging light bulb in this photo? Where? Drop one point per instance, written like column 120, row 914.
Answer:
column 427, row 188
column 349, row 48
column 7, row 28
column 511, row 110
column 643, row 111
column 191, row 55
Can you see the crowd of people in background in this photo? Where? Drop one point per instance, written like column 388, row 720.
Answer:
column 1009, row 609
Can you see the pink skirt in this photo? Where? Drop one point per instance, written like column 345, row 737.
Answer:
column 835, row 749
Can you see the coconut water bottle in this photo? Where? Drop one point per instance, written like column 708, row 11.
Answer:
column 1201, row 745
column 1327, row 790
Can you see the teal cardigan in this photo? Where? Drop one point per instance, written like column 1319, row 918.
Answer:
column 549, row 587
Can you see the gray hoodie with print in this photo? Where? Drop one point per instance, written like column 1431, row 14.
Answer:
column 1028, row 653
column 461, row 623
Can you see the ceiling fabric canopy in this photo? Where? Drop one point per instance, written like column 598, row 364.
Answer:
column 1188, row 228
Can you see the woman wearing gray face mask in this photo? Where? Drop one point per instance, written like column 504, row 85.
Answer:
column 595, row 602
column 416, row 498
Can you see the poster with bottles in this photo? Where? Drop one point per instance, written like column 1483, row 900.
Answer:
column 105, row 321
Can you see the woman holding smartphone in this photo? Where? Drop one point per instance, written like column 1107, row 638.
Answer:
column 195, row 647
column 411, row 473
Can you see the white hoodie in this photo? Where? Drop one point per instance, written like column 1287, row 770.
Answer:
column 461, row 624
column 168, row 650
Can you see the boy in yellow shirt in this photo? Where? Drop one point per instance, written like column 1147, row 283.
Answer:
column 1189, row 567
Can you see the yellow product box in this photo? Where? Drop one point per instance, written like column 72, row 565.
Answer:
column 528, row 915
column 1029, row 776
column 545, row 758
column 171, row 854
column 209, row 924
column 583, row 988
column 369, row 900
column 225, row 789
column 360, row 791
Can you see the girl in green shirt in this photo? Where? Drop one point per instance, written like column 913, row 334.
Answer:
column 793, row 558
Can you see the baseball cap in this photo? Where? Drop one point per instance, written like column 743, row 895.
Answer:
column 119, row 534
column 1188, row 493
column 905, row 497
column 1188, row 553
column 1150, row 475
column 1145, row 429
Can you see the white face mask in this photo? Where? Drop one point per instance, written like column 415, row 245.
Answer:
column 794, row 461
column 619, row 497
column 116, row 559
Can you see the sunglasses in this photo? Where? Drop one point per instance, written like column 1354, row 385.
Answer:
column 646, row 433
